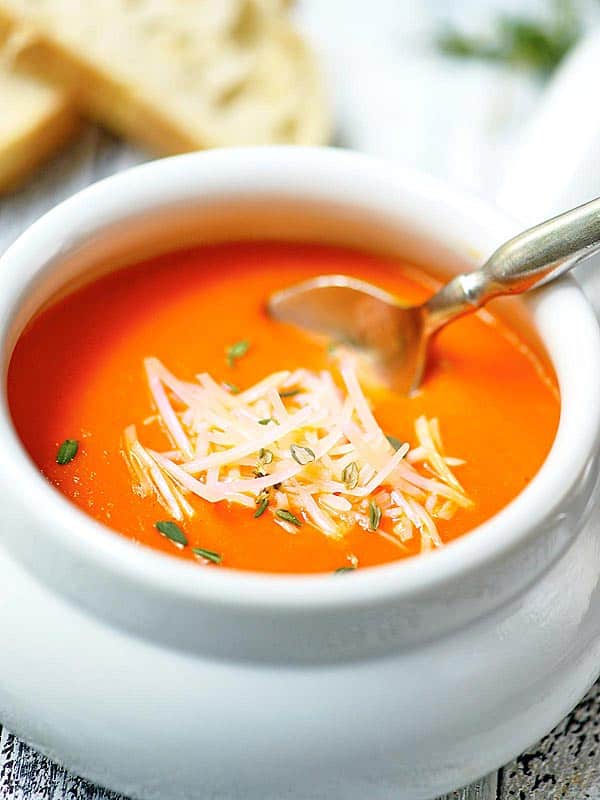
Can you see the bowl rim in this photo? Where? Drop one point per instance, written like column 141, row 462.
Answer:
column 512, row 527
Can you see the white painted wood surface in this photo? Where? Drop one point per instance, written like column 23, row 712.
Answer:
column 395, row 98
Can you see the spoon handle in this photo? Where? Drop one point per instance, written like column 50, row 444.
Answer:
column 531, row 259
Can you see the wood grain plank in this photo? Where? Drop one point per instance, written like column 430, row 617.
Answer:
column 27, row 775
column 484, row 789
column 565, row 765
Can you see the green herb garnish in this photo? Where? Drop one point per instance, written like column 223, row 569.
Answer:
column 266, row 421
column 232, row 387
column 374, row 515
column 172, row 531
column 341, row 570
column 67, row 451
column 210, row 555
column 520, row 41
column 262, row 507
column 396, row 443
column 302, row 455
column 291, row 393
column 236, row 351
column 265, row 456
column 283, row 513
column 350, row 475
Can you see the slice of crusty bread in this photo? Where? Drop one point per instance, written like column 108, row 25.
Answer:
column 35, row 120
column 177, row 75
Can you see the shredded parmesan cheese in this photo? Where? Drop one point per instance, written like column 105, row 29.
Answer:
column 297, row 444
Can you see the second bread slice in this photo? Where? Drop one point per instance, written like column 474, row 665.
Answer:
column 36, row 120
column 177, row 75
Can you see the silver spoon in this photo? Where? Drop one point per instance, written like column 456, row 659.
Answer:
column 356, row 313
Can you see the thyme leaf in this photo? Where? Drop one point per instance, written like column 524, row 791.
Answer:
column 265, row 456
column 262, row 507
column 67, row 451
column 286, row 515
column 236, row 350
column 396, row 443
column 172, row 531
column 210, row 555
column 350, row 475
column 374, row 515
column 302, row 455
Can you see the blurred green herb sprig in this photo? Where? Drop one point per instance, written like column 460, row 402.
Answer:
column 523, row 42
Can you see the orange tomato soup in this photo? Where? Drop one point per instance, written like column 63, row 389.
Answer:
column 77, row 373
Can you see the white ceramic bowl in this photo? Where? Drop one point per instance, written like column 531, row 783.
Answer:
column 159, row 680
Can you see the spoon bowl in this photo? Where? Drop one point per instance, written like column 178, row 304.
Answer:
column 394, row 336
column 357, row 314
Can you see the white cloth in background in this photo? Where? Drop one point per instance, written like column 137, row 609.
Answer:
column 398, row 98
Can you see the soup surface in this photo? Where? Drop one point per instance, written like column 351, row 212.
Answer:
column 78, row 373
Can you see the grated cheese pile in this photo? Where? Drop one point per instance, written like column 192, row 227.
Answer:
column 299, row 448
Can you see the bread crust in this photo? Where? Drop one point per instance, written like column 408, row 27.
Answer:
column 36, row 120
column 22, row 154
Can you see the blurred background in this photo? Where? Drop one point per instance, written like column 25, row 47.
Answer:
column 493, row 96
column 446, row 86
